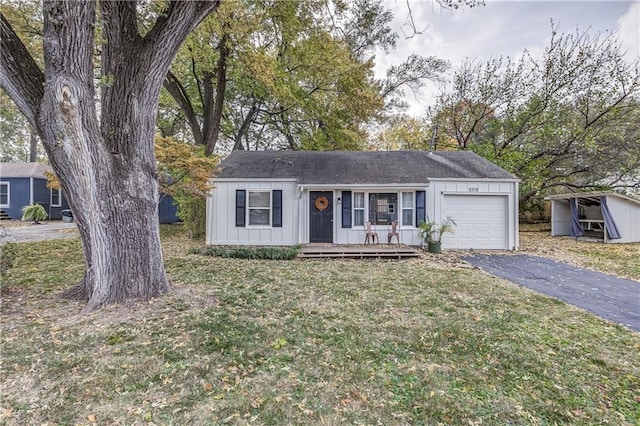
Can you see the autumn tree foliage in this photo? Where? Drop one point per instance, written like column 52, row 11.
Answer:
column 184, row 173
column 103, row 152
column 568, row 119
column 289, row 75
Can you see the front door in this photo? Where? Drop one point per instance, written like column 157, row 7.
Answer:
column 321, row 217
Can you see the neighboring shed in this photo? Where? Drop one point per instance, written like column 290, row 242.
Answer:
column 607, row 216
column 22, row 184
column 299, row 197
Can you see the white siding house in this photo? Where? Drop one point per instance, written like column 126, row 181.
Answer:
column 301, row 197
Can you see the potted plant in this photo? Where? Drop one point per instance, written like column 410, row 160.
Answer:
column 431, row 232
column 34, row 212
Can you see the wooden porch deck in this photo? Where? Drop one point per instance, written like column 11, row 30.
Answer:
column 331, row 251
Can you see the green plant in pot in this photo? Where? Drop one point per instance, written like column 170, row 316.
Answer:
column 34, row 212
column 431, row 232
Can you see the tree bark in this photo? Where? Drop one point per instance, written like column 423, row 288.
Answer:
column 33, row 146
column 215, row 117
column 179, row 93
column 106, row 166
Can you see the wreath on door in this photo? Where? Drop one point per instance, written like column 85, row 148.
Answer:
column 321, row 203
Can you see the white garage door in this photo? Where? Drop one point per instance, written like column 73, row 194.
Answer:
column 481, row 221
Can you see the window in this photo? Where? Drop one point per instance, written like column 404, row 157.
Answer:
column 407, row 208
column 55, row 198
column 4, row 194
column 358, row 209
column 382, row 208
column 259, row 208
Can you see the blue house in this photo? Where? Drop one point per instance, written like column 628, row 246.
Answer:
column 22, row 184
column 167, row 210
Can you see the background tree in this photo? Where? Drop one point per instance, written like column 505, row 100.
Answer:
column 568, row 119
column 20, row 141
column 296, row 75
column 106, row 166
column 404, row 133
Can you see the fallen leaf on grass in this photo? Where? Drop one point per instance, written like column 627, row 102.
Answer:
column 280, row 343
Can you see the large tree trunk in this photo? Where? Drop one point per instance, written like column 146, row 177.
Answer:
column 106, row 166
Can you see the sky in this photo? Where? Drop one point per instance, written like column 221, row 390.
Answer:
column 499, row 28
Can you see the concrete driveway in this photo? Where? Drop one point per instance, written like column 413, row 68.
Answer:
column 44, row 231
column 607, row 296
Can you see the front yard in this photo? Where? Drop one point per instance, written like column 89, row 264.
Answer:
column 312, row 342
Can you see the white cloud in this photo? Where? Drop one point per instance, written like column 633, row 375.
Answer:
column 629, row 32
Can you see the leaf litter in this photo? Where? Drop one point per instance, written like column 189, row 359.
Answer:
column 275, row 342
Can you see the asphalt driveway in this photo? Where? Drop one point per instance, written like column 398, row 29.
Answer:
column 607, row 296
column 44, row 231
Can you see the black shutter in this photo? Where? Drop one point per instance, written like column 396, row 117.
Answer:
column 241, row 197
column 421, row 207
column 277, row 209
column 346, row 209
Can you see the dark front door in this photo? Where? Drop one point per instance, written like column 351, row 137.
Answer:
column 321, row 217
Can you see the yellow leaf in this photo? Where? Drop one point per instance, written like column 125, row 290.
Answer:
column 91, row 418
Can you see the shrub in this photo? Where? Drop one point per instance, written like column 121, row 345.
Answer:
column 270, row 253
column 34, row 212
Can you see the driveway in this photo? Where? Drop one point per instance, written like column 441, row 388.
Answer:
column 44, row 231
column 607, row 296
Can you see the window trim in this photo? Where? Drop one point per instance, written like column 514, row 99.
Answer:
column 8, row 185
column 403, row 208
column 59, row 203
column 399, row 207
column 249, row 208
column 363, row 209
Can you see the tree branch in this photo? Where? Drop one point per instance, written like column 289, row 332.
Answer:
column 179, row 93
column 20, row 76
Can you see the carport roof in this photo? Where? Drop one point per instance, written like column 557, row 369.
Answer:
column 359, row 167
column 592, row 197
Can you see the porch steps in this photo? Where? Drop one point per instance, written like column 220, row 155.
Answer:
column 398, row 252
column 4, row 215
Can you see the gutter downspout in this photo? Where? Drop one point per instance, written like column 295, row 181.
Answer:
column 31, row 191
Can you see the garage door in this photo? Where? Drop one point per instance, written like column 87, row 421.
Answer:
column 481, row 221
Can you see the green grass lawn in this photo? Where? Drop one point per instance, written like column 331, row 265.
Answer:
column 307, row 342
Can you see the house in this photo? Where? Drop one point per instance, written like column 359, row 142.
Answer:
column 22, row 184
column 603, row 215
column 167, row 209
column 300, row 197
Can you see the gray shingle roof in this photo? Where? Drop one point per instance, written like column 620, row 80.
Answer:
column 24, row 170
column 358, row 167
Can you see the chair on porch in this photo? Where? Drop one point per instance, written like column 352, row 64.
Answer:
column 394, row 232
column 371, row 236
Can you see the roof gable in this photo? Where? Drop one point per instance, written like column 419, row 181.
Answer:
column 24, row 170
column 359, row 167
